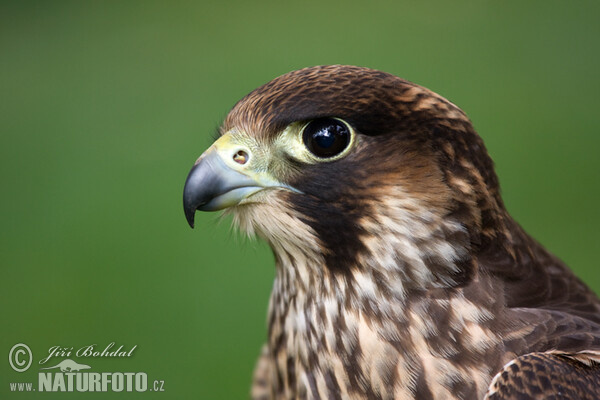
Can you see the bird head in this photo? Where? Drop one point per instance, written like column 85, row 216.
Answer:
column 345, row 168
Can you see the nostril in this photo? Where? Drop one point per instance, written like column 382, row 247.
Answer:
column 241, row 157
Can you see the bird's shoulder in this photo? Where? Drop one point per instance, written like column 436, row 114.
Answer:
column 534, row 278
column 548, row 375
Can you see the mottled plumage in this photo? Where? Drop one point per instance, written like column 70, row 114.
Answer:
column 399, row 272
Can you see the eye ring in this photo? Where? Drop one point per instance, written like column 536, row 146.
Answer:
column 327, row 138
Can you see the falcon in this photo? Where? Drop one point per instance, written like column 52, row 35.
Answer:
column 399, row 272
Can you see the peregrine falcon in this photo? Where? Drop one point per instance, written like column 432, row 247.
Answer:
column 399, row 272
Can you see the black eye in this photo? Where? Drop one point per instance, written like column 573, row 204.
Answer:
column 326, row 137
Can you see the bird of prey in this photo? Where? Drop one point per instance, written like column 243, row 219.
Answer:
column 399, row 272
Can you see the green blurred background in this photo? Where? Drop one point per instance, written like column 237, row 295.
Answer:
column 105, row 106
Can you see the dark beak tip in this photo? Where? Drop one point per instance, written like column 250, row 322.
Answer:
column 190, row 221
column 190, row 200
column 189, row 216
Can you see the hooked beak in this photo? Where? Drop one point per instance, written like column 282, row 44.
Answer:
column 222, row 178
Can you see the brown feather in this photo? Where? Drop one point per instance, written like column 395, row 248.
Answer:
column 546, row 376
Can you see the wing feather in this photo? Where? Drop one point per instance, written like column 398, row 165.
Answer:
column 550, row 375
